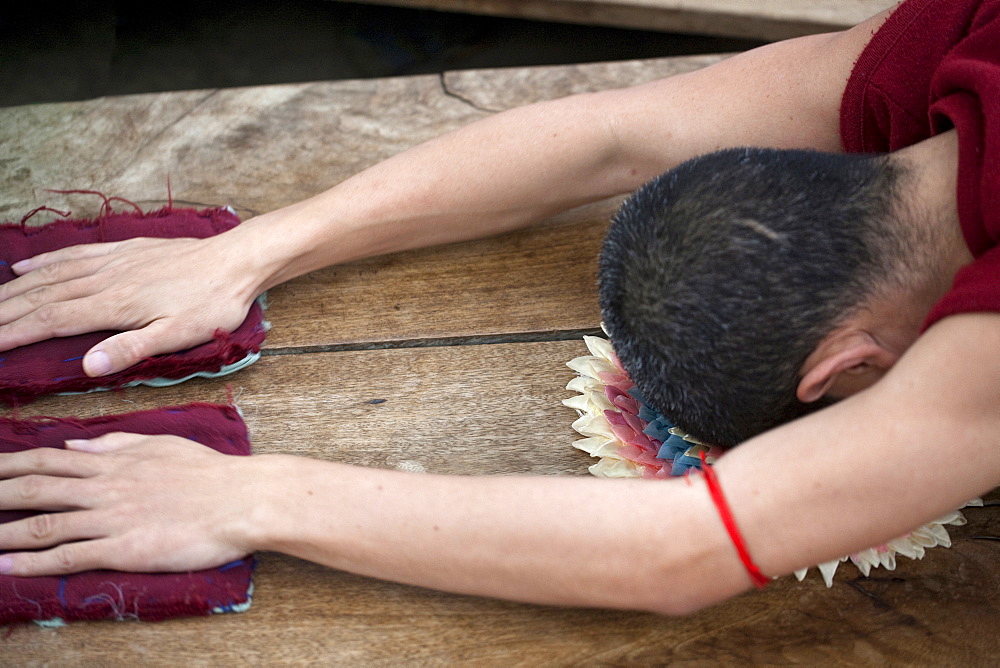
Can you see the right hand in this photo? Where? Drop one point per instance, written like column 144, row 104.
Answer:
column 128, row 502
column 164, row 295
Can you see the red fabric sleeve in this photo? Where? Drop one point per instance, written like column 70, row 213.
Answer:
column 934, row 66
column 966, row 94
column 112, row 594
column 886, row 102
column 56, row 365
column 976, row 289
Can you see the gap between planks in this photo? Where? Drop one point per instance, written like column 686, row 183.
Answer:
column 468, row 340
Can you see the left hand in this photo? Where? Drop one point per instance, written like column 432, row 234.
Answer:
column 126, row 502
column 163, row 295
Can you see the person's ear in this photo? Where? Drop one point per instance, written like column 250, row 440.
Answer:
column 840, row 362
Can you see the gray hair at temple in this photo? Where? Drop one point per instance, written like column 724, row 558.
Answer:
column 721, row 276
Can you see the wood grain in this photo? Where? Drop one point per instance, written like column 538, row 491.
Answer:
column 476, row 409
column 262, row 148
column 452, row 409
column 494, row 409
column 538, row 280
column 265, row 147
column 752, row 19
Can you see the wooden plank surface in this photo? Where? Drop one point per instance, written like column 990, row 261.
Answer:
column 458, row 409
column 751, row 19
column 262, row 148
column 495, row 409
column 448, row 408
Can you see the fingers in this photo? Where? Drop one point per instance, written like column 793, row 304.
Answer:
column 52, row 273
column 107, row 443
column 80, row 252
column 53, row 320
column 123, row 350
column 48, row 529
column 42, row 492
column 66, row 558
column 48, row 461
column 19, row 306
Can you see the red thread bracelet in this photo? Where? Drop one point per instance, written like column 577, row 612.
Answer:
column 759, row 579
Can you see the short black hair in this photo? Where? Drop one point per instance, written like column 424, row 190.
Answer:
column 720, row 277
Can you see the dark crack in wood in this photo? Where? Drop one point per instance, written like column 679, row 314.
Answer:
column 878, row 600
column 442, row 77
column 436, row 342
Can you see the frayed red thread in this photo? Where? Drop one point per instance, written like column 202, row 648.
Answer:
column 106, row 209
column 213, row 213
column 27, row 216
column 126, row 201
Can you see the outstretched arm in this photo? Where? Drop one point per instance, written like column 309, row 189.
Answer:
column 507, row 171
column 851, row 476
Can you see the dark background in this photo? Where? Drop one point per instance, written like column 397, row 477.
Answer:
column 52, row 52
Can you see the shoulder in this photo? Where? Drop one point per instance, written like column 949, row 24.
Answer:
column 781, row 95
column 886, row 99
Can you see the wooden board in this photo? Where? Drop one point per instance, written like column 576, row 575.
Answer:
column 262, row 148
column 536, row 281
column 451, row 409
column 494, row 409
column 751, row 19
column 448, row 408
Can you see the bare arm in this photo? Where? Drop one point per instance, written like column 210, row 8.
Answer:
column 521, row 166
column 507, row 171
column 805, row 493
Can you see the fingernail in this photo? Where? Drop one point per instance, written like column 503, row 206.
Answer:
column 6, row 565
column 23, row 265
column 77, row 443
column 96, row 363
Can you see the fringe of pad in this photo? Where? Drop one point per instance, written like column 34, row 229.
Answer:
column 630, row 439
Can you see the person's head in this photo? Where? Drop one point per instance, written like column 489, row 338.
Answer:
column 728, row 285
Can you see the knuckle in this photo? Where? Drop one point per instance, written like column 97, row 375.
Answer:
column 47, row 315
column 42, row 527
column 65, row 558
column 38, row 296
column 132, row 347
column 35, row 460
column 121, row 308
column 28, row 487
column 50, row 272
column 68, row 253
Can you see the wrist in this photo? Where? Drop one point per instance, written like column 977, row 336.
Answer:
column 256, row 255
column 280, row 245
column 269, row 484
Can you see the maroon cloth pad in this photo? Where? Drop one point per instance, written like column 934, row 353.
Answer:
column 111, row 594
column 56, row 365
